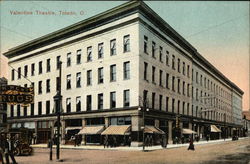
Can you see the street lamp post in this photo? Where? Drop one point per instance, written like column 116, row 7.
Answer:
column 58, row 100
column 143, row 109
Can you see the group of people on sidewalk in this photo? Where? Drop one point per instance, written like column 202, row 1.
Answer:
column 111, row 141
column 6, row 149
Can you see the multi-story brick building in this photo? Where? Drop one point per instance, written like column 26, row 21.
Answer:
column 112, row 64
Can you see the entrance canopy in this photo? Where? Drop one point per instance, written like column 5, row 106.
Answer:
column 188, row 131
column 73, row 128
column 153, row 129
column 91, row 130
column 117, row 130
column 215, row 129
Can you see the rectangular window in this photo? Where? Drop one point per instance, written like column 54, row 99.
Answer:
column 100, row 101
column 40, row 108
column 173, row 62
column 40, row 67
column 47, row 107
column 201, row 80
column 167, row 58
column 145, row 44
column 100, row 76
column 173, row 80
column 11, row 110
column 40, row 87
column 78, row 103
column 89, row 102
column 113, row 47
column 112, row 100
column 48, row 85
column 167, row 80
column 197, row 91
column 183, row 87
column 13, row 74
column 178, row 107
column 69, row 59
column 183, row 107
column 68, row 82
column 153, row 74
column 32, row 69
column 145, row 95
column 160, row 78
column 19, row 73
column 173, row 102
column 167, row 103
column 32, row 108
column 48, row 65
column 179, row 65
column 160, row 53
column 178, row 86
column 113, row 72
column 68, row 105
column 126, row 70
column 58, row 60
column 153, row 100
column 25, row 111
column 197, row 77
column 183, row 68
column 188, row 88
column 89, row 54
column 205, row 82
column 153, row 49
column 160, row 102
column 126, row 98
column 25, row 71
column 145, row 71
column 100, row 50
column 78, row 80
column 89, row 77
column 78, row 56
column 126, row 43
column 188, row 70
column 18, row 110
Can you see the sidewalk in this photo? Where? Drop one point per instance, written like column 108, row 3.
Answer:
column 125, row 148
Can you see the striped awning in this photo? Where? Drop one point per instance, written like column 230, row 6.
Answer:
column 188, row 131
column 90, row 130
column 215, row 129
column 153, row 129
column 117, row 130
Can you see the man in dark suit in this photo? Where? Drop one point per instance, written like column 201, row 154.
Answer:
column 9, row 148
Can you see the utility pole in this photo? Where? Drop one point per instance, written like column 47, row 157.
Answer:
column 58, row 105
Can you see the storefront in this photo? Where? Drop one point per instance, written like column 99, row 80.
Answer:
column 72, row 128
column 43, row 132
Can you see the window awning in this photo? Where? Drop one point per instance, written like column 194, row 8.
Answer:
column 188, row 131
column 90, row 130
column 73, row 128
column 215, row 129
column 153, row 129
column 117, row 130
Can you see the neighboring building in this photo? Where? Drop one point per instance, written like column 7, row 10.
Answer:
column 246, row 123
column 3, row 109
column 115, row 63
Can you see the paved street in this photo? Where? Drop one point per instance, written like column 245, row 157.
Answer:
column 226, row 152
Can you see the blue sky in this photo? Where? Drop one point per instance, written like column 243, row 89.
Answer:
column 218, row 30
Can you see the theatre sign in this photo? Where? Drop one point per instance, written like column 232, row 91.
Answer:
column 13, row 94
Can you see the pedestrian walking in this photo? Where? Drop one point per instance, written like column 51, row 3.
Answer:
column 150, row 140
column 129, row 141
column 105, row 143
column 114, row 141
column 207, row 138
column 191, row 145
column 147, row 141
column 9, row 148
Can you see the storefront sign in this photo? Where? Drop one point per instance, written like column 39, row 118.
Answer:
column 13, row 94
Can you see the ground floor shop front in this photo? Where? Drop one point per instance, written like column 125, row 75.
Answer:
column 126, row 128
